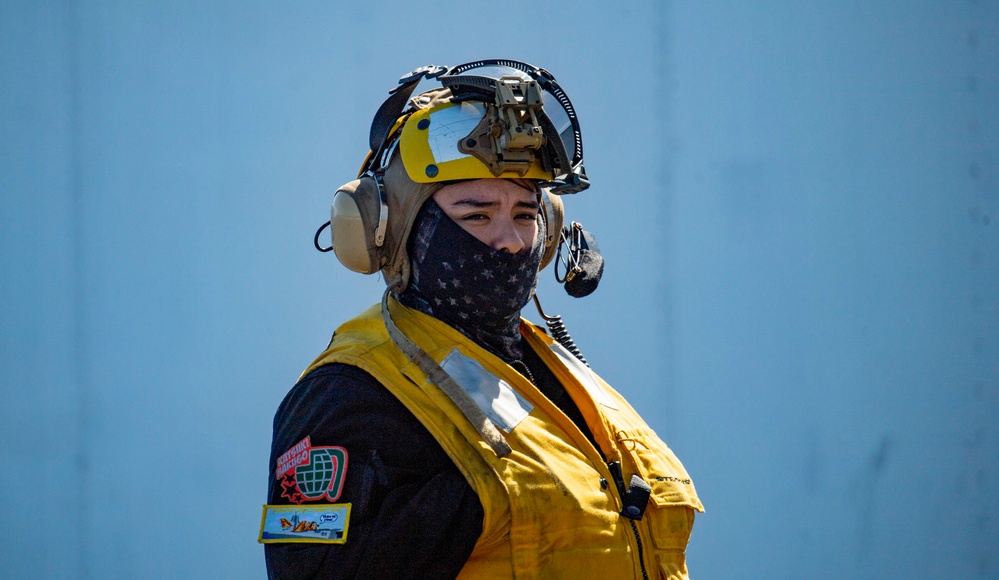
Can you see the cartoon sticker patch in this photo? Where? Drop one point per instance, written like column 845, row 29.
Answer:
column 324, row 523
column 308, row 473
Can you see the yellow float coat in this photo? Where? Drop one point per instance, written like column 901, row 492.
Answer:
column 551, row 507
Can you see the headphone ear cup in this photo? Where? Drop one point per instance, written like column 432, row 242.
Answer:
column 354, row 217
column 553, row 213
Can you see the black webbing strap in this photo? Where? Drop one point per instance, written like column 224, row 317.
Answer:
column 396, row 102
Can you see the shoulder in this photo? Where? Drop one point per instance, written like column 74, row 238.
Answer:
column 332, row 388
column 344, row 406
column 393, row 473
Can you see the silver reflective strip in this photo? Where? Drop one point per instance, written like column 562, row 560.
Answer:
column 585, row 376
column 497, row 399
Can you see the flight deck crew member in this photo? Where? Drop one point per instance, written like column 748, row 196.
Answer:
column 440, row 435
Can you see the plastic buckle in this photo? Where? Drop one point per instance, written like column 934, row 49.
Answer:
column 637, row 498
column 431, row 71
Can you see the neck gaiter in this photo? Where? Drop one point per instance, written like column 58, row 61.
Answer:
column 468, row 285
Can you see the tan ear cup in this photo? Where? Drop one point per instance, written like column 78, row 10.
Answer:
column 553, row 214
column 354, row 220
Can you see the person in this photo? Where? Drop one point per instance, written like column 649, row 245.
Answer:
column 440, row 435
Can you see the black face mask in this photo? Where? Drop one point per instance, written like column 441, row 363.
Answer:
column 469, row 285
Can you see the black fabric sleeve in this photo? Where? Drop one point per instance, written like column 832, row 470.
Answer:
column 413, row 514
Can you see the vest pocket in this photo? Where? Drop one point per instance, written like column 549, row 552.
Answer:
column 659, row 467
column 673, row 498
column 672, row 566
column 670, row 528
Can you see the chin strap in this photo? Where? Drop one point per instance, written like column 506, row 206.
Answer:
column 450, row 387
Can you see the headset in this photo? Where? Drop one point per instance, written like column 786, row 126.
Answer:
column 359, row 218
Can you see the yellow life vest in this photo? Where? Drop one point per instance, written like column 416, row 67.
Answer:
column 551, row 506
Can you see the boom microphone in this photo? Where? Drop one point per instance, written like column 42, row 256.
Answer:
column 584, row 264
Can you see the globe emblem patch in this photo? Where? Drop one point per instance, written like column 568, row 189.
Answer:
column 316, row 477
column 310, row 473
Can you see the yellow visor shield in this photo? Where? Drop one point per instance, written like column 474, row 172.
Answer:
column 446, row 143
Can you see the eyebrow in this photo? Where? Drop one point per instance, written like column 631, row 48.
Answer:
column 478, row 204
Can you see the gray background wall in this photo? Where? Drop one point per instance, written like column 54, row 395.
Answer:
column 796, row 202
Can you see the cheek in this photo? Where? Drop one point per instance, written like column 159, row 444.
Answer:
column 483, row 234
column 480, row 231
column 530, row 232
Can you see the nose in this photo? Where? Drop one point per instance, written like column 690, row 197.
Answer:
column 507, row 237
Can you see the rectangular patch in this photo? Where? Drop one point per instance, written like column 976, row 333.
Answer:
column 292, row 458
column 498, row 400
column 322, row 524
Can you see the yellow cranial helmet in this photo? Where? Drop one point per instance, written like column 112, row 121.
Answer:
column 511, row 116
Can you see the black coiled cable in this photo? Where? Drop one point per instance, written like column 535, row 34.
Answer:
column 558, row 332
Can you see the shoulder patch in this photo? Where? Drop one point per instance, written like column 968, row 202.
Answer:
column 325, row 524
column 308, row 473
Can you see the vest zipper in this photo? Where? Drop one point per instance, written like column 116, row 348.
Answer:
column 614, row 466
column 641, row 556
column 615, row 469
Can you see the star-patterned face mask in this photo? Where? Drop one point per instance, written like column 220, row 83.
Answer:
column 469, row 285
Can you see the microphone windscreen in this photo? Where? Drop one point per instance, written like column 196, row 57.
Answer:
column 585, row 282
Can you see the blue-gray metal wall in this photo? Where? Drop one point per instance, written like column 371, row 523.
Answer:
column 797, row 203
